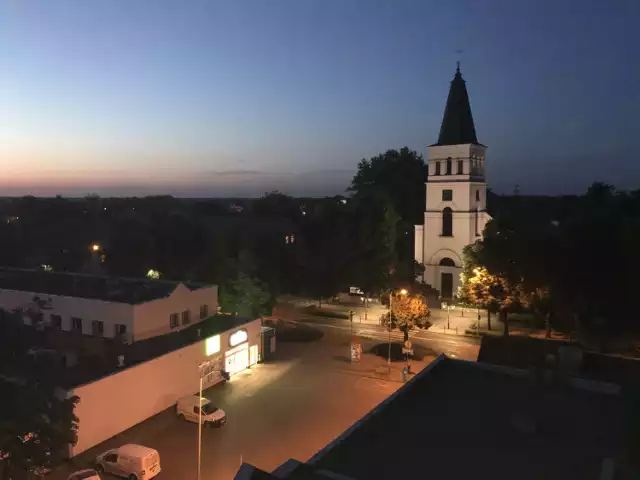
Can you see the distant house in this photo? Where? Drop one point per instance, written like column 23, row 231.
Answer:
column 109, row 307
column 458, row 419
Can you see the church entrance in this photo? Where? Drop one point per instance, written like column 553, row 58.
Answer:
column 446, row 285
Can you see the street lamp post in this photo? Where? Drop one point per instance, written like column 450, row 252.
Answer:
column 389, row 328
column 199, row 426
column 204, row 370
column 402, row 292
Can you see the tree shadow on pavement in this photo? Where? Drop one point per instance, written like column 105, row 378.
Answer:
column 296, row 332
column 342, row 358
column 419, row 352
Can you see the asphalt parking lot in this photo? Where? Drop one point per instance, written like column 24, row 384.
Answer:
column 276, row 411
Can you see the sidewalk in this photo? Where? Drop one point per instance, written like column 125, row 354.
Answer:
column 373, row 366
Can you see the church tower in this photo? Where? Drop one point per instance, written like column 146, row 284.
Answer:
column 456, row 194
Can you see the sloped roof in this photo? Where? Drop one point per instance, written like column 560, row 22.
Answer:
column 111, row 289
column 457, row 124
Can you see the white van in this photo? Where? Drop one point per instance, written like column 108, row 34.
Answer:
column 134, row 462
column 188, row 408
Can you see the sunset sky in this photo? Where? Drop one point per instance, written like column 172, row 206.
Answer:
column 234, row 98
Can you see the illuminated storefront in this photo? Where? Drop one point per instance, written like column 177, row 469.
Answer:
column 237, row 358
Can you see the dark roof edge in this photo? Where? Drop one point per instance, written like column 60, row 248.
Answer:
column 576, row 382
column 318, row 456
column 581, row 383
column 245, row 472
column 457, row 144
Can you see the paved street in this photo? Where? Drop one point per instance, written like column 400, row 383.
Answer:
column 286, row 409
column 452, row 322
column 456, row 346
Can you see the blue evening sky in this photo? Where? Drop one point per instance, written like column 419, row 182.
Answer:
column 236, row 97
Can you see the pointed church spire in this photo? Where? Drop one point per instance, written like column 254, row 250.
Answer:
column 457, row 125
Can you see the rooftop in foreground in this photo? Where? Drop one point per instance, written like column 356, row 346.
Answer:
column 112, row 289
column 459, row 420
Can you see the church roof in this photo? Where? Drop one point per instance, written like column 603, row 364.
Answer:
column 457, row 125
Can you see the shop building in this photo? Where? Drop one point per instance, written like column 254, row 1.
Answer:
column 153, row 374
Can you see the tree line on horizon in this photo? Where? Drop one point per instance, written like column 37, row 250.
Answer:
column 570, row 260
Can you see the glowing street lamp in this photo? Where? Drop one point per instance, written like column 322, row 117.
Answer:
column 153, row 274
column 95, row 247
column 402, row 292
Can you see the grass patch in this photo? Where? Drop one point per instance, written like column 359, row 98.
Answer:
column 297, row 333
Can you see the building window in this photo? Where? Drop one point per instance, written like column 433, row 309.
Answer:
column 477, row 195
column 447, row 262
column 477, row 221
column 97, row 328
column 173, row 320
column 186, row 317
column 447, row 195
column 437, row 168
column 460, row 167
column 204, row 311
column 56, row 321
column 76, row 324
column 120, row 329
column 447, row 222
column 449, row 166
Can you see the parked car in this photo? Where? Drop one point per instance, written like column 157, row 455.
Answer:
column 188, row 408
column 131, row 461
column 88, row 474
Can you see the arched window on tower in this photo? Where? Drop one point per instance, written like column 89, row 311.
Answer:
column 437, row 168
column 447, row 262
column 448, row 166
column 447, row 222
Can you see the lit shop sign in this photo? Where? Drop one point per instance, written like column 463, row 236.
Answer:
column 238, row 337
column 212, row 345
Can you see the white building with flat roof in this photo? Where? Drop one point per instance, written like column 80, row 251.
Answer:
column 109, row 307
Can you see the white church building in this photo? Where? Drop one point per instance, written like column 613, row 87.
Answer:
column 456, row 192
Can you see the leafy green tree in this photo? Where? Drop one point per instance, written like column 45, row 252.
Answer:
column 399, row 176
column 37, row 426
column 245, row 296
column 373, row 258
column 550, row 256
column 408, row 312
column 37, row 421
column 277, row 204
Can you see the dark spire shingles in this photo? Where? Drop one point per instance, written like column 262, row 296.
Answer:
column 457, row 124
